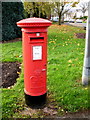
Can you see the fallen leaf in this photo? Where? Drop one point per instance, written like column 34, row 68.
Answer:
column 18, row 73
column 17, row 56
column 78, row 44
column 20, row 55
column 86, row 88
column 70, row 61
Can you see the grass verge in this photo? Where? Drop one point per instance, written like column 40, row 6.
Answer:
column 65, row 62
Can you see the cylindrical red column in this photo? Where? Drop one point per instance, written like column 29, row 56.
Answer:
column 34, row 37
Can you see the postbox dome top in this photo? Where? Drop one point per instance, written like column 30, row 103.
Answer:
column 34, row 22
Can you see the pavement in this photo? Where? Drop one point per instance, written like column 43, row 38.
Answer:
column 83, row 25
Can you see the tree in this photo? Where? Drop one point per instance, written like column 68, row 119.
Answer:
column 62, row 7
column 38, row 9
column 83, row 7
column 12, row 12
column 47, row 7
column 30, row 8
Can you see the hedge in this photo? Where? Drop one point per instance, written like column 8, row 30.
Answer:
column 11, row 13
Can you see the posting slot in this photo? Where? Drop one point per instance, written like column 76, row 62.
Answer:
column 36, row 39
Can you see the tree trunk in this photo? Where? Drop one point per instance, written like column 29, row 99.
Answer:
column 60, row 14
column 39, row 12
column 59, row 19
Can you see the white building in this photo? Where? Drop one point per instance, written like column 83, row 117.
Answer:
column 75, row 12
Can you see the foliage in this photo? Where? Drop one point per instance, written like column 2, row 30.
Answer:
column 65, row 61
column 74, row 4
column 62, row 8
column 11, row 13
column 83, row 7
column 85, row 17
column 38, row 9
column 48, row 9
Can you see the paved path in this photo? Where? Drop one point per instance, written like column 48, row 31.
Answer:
column 77, row 24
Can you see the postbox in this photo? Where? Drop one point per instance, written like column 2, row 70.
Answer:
column 34, row 43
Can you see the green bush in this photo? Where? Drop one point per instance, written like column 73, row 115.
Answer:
column 11, row 13
column 85, row 17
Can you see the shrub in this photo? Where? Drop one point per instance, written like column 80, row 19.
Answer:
column 11, row 13
column 85, row 17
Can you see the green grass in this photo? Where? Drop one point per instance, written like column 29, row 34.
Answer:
column 12, row 52
column 65, row 58
column 65, row 62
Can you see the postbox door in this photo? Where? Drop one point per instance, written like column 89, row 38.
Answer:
column 38, row 48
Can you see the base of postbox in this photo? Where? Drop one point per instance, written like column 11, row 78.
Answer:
column 35, row 101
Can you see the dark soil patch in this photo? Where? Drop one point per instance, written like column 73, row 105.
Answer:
column 10, row 72
column 11, row 41
column 80, row 35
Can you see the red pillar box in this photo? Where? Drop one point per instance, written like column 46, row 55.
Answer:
column 34, row 36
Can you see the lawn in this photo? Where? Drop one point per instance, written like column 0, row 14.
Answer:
column 65, row 62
